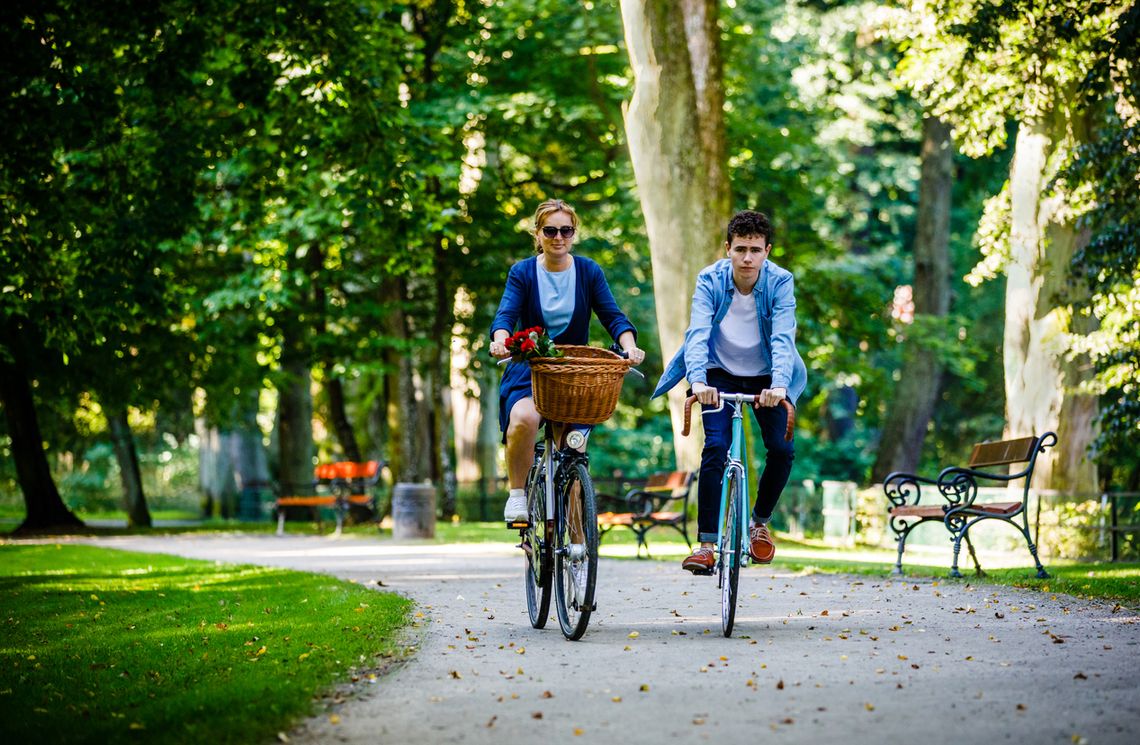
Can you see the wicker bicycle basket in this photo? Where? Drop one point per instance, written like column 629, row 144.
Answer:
column 581, row 387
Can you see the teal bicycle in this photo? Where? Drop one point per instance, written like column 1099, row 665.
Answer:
column 732, row 524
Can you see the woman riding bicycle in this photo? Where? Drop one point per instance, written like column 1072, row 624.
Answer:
column 741, row 339
column 557, row 291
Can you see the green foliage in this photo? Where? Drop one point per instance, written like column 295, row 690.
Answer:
column 113, row 646
column 1107, row 169
column 980, row 63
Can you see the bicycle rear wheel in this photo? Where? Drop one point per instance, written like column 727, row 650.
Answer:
column 536, row 546
column 576, row 564
column 731, row 546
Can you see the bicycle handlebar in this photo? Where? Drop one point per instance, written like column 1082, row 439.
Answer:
column 745, row 398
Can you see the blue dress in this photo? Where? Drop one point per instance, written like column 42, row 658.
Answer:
column 520, row 309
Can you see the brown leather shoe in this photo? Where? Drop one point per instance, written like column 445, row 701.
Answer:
column 701, row 561
column 761, row 546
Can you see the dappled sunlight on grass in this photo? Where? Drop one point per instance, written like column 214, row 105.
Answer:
column 104, row 645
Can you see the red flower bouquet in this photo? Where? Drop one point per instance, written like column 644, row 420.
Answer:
column 531, row 343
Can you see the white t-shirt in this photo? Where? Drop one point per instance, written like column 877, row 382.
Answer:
column 736, row 346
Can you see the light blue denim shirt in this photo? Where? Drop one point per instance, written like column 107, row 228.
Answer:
column 775, row 311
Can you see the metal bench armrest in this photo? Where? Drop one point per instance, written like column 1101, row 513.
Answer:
column 899, row 486
column 646, row 501
column 959, row 486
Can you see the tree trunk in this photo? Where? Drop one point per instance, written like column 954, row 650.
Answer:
column 675, row 128
column 138, row 515
column 407, row 423
column 295, row 418
column 1039, row 381
column 442, row 331
column 345, row 434
column 917, row 392
column 45, row 508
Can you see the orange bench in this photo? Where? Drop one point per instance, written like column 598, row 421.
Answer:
column 958, row 488
column 644, row 508
column 349, row 483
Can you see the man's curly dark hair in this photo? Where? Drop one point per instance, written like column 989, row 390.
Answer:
column 748, row 224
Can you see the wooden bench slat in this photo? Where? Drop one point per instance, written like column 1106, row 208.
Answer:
column 918, row 510
column 1002, row 453
column 998, row 508
column 314, row 501
column 933, row 510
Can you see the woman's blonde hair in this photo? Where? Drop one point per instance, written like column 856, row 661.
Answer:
column 543, row 213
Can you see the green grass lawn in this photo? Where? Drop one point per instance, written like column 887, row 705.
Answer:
column 102, row 645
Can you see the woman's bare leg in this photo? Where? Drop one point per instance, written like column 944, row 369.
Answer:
column 521, row 432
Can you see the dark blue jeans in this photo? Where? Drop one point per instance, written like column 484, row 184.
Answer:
column 718, row 436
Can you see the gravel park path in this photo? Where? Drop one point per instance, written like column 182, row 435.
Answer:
column 814, row 658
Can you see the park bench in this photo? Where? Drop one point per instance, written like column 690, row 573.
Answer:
column 341, row 486
column 958, row 489
column 643, row 508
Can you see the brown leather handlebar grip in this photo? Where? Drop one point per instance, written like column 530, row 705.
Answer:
column 688, row 414
column 791, row 418
column 783, row 402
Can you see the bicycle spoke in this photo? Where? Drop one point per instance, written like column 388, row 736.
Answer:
column 576, row 551
column 731, row 548
column 536, row 546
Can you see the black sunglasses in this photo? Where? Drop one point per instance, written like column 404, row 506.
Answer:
column 550, row 231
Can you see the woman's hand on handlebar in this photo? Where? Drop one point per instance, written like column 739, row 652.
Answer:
column 706, row 395
column 635, row 355
column 499, row 350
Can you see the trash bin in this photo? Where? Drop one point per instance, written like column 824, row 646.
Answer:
column 413, row 511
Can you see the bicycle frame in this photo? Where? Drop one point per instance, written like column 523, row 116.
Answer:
column 735, row 464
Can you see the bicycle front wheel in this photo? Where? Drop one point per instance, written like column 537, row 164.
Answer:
column 576, row 551
column 731, row 546
column 536, row 546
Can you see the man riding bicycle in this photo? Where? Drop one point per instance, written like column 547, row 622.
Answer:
column 741, row 339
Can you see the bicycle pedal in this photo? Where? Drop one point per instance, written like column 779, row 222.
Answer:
column 518, row 524
column 591, row 608
column 703, row 572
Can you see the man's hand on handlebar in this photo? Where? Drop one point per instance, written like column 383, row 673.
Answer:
column 770, row 397
column 706, row 395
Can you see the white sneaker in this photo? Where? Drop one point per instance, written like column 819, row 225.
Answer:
column 515, row 509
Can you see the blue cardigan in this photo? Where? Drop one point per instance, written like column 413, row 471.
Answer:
column 520, row 308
